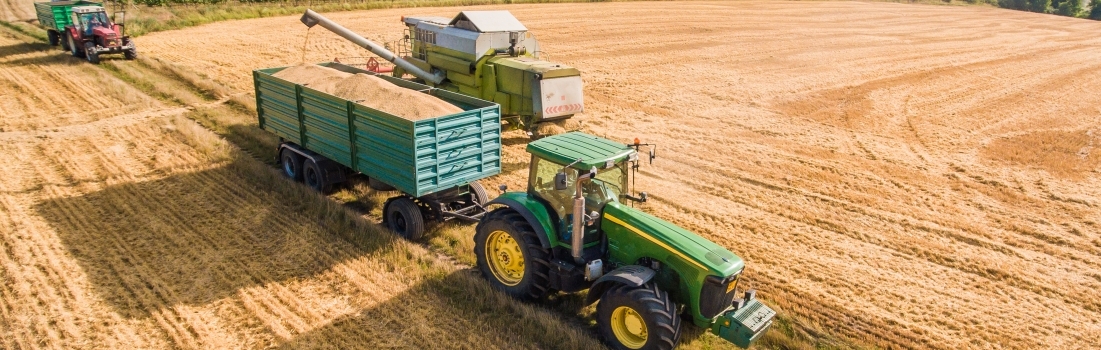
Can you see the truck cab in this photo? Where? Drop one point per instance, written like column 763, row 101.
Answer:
column 575, row 228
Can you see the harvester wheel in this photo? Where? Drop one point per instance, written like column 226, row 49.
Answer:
column 90, row 52
column 404, row 217
column 478, row 193
column 510, row 256
column 54, row 37
column 130, row 54
column 643, row 317
column 313, row 177
column 292, row 164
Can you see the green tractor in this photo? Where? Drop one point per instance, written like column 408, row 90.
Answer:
column 573, row 230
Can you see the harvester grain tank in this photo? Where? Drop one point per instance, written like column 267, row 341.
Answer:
column 572, row 230
column 434, row 164
column 84, row 29
column 489, row 55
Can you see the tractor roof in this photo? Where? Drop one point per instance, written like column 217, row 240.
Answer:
column 593, row 151
column 87, row 9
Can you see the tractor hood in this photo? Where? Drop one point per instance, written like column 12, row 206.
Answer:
column 688, row 246
column 104, row 32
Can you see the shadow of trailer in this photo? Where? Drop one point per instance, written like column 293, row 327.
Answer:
column 435, row 162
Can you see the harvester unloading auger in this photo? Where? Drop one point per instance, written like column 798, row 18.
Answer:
column 483, row 54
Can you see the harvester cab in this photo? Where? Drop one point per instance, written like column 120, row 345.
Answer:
column 92, row 33
column 572, row 230
column 484, row 54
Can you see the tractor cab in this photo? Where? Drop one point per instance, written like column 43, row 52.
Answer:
column 556, row 165
column 573, row 230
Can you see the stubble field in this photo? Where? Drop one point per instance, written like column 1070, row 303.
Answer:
column 922, row 176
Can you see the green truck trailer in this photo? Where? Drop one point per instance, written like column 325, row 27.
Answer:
column 434, row 163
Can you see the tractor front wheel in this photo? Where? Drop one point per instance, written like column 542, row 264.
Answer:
column 90, row 52
column 641, row 317
column 132, row 53
column 510, row 256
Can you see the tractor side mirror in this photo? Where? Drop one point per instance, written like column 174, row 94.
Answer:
column 560, row 181
column 652, row 156
column 120, row 18
column 643, row 196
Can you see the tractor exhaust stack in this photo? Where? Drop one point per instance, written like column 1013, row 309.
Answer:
column 311, row 19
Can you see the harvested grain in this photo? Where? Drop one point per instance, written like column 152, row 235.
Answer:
column 369, row 91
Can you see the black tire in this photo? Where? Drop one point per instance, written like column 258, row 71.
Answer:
column 313, row 176
column 74, row 48
column 292, row 164
column 130, row 54
column 53, row 36
column 404, row 217
column 534, row 283
column 90, row 52
column 655, row 308
column 478, row 193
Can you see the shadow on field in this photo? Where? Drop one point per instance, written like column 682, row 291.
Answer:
column 193, row 238
column 452, row 311
column 23, row 47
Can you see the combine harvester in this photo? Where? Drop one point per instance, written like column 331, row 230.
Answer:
column 483, row 54
column 570, row 230
column 83, row 28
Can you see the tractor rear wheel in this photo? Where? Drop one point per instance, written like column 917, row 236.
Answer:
column 404, row 217
column 510, row 256
column 642, row 317
column 76, row 50
column 313, row 177
column 292, row 164
column 90, row 52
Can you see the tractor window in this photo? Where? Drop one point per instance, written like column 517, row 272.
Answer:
column 608, row 185
column 93, row 20
column 542, row 184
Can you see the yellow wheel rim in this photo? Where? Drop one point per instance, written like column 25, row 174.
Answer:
column 629, row 327
column 505, row 258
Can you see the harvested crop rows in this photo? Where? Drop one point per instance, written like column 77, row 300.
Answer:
column 924, row 176
column 139, row 228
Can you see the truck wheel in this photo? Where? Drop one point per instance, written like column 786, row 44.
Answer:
column 510, row 256
column 313, row 177
column 641, row 317
column 292, row 165
column 404, row 218
column 130, row 54
column 90, row 52
column 54, row 37
column 478, row 193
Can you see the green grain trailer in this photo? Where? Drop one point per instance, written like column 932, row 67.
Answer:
column 56, row 15
column 435, row 163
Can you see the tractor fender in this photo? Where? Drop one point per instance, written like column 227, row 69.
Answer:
column 631, row 275
column 525, row 211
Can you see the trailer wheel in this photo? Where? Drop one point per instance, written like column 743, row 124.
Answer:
column 642, row 317
column 510, row 256
column 478, row 193
column 54, row 37
column 313, row 177
column 90, row 52
column 404, row 217
column 292, row 164
column 129, row 54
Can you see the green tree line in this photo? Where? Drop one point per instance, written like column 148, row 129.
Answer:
column 1070, row 8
